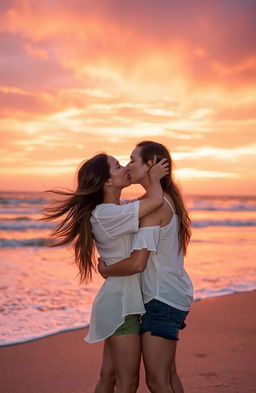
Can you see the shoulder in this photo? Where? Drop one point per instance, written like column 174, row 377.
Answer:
column 168, row 201
column 110, row 209
column 167, row 210
column 152, row 219
column 160, row 216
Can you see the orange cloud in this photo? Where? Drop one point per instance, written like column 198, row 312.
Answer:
column 79, row 76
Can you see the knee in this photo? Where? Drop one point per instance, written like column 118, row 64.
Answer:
column 174, row 374
column 135, row 383
column 130, row 384
column 156, row 385
column 107, row 378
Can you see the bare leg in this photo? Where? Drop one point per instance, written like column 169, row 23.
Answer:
column 107, row 379
column 175, row 380
column 158, row 355
column 126, row 355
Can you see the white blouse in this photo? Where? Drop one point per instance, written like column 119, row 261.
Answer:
column 113, row 227
column 164, row 278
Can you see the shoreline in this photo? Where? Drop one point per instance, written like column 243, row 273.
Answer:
column 215, row 353
column 86, row 325
column 137, row 193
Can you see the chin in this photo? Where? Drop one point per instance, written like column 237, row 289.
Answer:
column 135, row 181
column 128, row 183
column 132, row 180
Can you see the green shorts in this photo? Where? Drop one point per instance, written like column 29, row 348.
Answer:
column 131, row 325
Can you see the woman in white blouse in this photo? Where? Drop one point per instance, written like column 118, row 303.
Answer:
column 93, row 215
column 166, row 287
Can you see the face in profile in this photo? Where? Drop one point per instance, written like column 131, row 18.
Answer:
column 136, row 168
column 118, row 174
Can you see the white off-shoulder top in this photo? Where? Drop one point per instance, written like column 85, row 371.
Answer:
column 164, row 278
column 113, row 227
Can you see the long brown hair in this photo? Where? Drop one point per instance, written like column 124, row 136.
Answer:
column 150, row 149
column 75, row 211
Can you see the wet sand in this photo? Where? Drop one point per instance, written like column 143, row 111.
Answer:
column 216, row 353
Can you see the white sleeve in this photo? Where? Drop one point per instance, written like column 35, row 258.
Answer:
column 116, row 220
column 146, row 237
column 125, row 201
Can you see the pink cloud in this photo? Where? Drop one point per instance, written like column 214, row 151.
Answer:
column 76, row 76
column 127, row 36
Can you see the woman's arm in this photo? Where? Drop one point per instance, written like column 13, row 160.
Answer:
column 138, row 259
column 154, row 198
column 136, row 263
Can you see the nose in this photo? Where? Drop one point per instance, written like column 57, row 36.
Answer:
column 127, row 167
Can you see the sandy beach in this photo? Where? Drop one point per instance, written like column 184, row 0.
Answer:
column 216, row 353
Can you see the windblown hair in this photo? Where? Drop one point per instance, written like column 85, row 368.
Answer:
column 75, row 210
column 150, row 149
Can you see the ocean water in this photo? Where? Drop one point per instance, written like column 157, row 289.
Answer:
column 39, row 286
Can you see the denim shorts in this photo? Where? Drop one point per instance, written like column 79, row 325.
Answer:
column 163, row 320
column 131, row 325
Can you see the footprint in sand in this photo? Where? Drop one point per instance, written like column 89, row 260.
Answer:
column 208, row 375
column 201, row 355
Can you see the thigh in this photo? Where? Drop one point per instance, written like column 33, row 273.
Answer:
column 107, row 368
column 126, row 354
column 158, row 357
column 107, row 381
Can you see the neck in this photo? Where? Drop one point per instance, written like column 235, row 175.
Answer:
column 145, row 183
column 112, row 196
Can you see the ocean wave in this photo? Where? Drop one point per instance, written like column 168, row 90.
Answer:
column 223, row 223
column 26, row 210
column 17, row 218
column 22, row 225
column 14, row 243
column 21, row 218
column 20, row 211
column 4, row 341
column 240, row 207
column 32, row 202
column 24, row 335
column 205, row 293
column 22, row 201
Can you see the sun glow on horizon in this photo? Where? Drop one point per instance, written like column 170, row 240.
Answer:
column 109, row 83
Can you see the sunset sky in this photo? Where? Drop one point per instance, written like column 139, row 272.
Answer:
column 78, row 77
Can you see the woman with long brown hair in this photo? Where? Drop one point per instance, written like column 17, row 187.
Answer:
column 92, row 215
column 166, row 287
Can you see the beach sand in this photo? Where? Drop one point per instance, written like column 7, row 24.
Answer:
column 216, row 353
